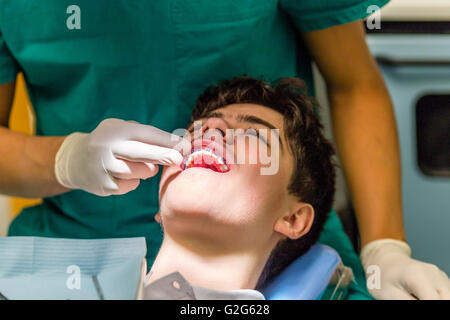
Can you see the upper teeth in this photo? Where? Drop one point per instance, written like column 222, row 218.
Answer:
column 205, row 151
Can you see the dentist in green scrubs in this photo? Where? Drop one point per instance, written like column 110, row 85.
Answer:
column 86, row 62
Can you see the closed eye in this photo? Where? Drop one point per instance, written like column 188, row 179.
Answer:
column 255, row 132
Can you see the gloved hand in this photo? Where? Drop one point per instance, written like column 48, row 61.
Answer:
column 115, row 156
column 403, row 278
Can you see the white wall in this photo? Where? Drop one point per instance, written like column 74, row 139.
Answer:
column 416, row 10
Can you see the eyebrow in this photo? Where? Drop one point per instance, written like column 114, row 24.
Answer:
column 249, row 119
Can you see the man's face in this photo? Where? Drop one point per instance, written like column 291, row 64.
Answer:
column 240, row 205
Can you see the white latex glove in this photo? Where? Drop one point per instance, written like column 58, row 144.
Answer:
column 401, row 277
column 115, row 156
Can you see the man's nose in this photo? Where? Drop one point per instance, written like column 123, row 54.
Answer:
column 215, row 129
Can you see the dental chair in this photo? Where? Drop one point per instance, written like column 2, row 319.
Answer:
column 113, row 269
column 319, row 273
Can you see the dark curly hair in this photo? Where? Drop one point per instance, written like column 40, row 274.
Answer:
column 313, row 179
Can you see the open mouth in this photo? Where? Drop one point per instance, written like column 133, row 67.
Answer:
column 205, row 157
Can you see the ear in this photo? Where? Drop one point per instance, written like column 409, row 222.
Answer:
column 297, row 222
column 158, row 217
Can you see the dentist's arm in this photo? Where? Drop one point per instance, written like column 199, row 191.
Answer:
column 26, row 162
column 110, row 160
column 364, row 128
column 366, row 136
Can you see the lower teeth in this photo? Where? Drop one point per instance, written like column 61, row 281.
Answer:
column 218, row 166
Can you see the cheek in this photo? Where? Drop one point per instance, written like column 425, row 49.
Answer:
column 263, row 196
column 258, row 157
column 250, row 150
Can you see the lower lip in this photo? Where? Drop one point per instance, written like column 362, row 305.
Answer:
column 202, row 169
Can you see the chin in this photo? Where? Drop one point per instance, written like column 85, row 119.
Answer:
column 197, row 185
column 198, row 192
column 192, row 197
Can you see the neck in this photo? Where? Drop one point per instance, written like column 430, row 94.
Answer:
column 227, row 271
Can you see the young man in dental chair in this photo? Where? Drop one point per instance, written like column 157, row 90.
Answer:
column 229, row 228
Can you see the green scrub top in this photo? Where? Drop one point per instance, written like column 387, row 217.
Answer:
column 148, row 61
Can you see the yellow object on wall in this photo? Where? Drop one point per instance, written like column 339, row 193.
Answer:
column 22, row 120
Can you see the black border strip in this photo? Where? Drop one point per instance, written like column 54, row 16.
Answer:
column 412, row 27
